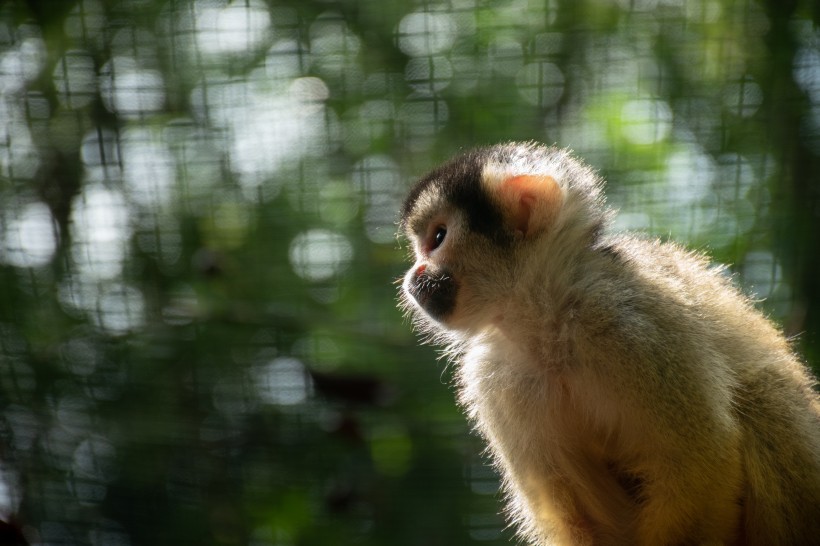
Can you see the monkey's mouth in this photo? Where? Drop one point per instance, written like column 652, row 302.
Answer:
column 434, row 292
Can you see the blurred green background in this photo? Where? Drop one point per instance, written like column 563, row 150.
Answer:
column 198, row 335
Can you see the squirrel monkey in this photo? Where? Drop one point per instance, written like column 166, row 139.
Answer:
column 628, row 392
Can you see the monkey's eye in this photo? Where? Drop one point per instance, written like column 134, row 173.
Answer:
column 438, row 237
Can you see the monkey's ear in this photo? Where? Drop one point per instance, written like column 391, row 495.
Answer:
column 530, row 202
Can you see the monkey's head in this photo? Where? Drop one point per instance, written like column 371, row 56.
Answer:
column 481, row 225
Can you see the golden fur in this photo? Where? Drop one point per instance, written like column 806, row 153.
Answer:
column 628, row 392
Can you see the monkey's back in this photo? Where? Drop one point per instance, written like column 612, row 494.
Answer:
column 772, row 396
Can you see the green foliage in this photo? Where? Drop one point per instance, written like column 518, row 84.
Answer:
column 199, row 342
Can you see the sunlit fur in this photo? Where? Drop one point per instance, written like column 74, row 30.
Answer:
column 628, row 392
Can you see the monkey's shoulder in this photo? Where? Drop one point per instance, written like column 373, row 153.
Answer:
column 657, row 298
column 664, row 271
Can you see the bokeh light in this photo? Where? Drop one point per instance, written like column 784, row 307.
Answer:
column 199, row 340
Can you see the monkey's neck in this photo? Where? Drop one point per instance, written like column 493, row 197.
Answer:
column 540, row 317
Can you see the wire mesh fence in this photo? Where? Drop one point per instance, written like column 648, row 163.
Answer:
column 198, row 335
